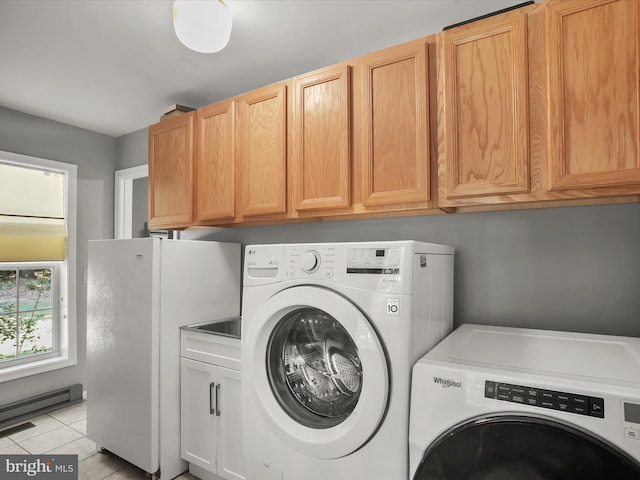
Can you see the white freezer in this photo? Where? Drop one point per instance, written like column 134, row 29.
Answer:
column 140, row 291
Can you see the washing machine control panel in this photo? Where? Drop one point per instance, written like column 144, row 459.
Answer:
column 374, row 260
column 554, row 400
column 327, row 262
column 319, row 262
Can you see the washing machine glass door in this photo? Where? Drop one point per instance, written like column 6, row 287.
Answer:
column 320, row 371
column 314, row 368
column 528, row 448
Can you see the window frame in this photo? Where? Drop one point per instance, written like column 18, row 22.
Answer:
column 66, row 355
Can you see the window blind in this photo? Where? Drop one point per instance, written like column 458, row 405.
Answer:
column 32, row 223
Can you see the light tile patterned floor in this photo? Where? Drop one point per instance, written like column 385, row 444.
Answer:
column 63, row 431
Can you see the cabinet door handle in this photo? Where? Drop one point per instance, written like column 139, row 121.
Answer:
column 212, row 409
column 217, row 407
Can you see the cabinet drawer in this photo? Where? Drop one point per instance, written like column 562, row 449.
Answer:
column 210, row 348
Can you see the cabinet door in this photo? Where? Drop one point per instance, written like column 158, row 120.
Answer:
column 261, row 151
column 198, row 421
column 215, row 162
column 395, row 119
column 483, row 98
column 594, row 90
column 321, row 154
column 230, row 454
column 171, row 173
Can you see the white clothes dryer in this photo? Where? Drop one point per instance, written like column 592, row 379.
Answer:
column 329, row 335
column 523, row 404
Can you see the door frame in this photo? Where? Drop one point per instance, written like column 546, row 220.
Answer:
column 123, row 199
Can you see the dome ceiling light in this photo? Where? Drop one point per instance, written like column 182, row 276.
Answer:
column 202, row 25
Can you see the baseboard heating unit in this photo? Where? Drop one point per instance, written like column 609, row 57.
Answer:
column 38, row 404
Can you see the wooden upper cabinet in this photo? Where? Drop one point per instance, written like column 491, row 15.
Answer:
column 261, row 151
column 483, row 108
column 395, row 125
column 171, row 173
column 594, row 93
column 215, row 163
column 320, row 150
column 533, row 105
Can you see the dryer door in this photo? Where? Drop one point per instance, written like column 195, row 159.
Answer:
column 319, row 371
column 522, row 447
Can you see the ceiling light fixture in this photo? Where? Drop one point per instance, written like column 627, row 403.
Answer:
column 202, row 25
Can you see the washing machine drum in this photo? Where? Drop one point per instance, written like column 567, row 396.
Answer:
column 314, row 369
column 523, row 448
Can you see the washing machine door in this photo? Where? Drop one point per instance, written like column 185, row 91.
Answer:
column 527, row 448
column 320, row 372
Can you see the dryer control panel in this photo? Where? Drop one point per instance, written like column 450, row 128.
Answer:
column 537, row 397
column 631, row 413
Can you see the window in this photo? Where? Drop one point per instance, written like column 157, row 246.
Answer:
column 27, row 311
column 37, row 265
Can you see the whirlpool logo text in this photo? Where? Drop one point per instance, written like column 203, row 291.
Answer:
column 447, row 382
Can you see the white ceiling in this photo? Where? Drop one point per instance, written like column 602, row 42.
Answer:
column 113, row 66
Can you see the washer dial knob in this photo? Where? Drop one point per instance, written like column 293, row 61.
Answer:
column 310, row 261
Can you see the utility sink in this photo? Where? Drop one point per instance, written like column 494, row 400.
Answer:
column 228, row 327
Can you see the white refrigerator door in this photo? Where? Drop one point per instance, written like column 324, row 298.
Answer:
column 123, row 349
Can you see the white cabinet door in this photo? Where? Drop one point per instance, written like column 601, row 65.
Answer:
column 230, row 448
column 210, row 431
column 198, row 421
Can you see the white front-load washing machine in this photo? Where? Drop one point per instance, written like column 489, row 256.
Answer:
column 329, row 335
column 522, row 404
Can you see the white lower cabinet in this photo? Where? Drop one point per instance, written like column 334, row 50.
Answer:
column 211, row 429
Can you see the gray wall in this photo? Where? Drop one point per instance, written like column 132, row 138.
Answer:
column 95, row 156
column 575, row 268
column 132, row 149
